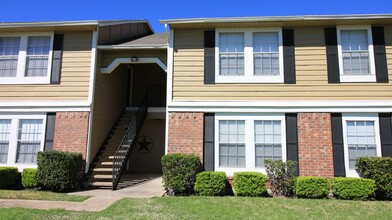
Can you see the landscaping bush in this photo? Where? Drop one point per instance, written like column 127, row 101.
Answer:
column 250, row 184
column 378, row 169
column 8, row 177
column 211, row 184
column 312, row 187
column 179, row 173
column 59, row 171
column 281, row 176
column 353, row 188
column 29, row 178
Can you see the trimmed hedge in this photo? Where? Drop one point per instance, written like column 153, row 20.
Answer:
column 29, row 178
column 312, row 187
column 59, row 171
column 250, row 184
column 211, row 183
column 378, row 169
column 353, row 188
column 9, row 177
column 179, row 173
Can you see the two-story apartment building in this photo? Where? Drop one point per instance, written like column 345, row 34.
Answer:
column 235, row 91
column 314, row 89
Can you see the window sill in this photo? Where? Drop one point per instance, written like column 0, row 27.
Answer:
column 230, row 171
column 19, row 166
column 249, row 79
column 368, row 78
column 24, row 81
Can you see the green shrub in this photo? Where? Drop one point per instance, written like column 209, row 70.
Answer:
column 312, row 187
column 353, row 188
column 249, row 184
column 59, row 171
column 179, row 173
column 211, row 183
column 378, row 169
column 281, row 176
column 29, row 178
column 8, row 177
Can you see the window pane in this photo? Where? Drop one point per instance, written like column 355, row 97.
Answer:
column 231, row 143
column 360, row 140
column 355, row 52
column 266, row 53
column 231, row 54
column 5, row 130
column 268, row 141
column 37, row 59
column 29, row 140
column 9, row 51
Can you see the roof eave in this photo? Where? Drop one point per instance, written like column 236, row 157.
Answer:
column 118, row 47
column 48, row 24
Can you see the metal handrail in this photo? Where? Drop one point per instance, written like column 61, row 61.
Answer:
column 124, row 150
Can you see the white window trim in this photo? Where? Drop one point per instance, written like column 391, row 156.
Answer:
column 12, row 150
column 372, row 67
column 359, row 117
column 248, row 76
column 250, row 154
column 20, row 74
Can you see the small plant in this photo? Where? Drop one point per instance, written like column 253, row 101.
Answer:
column 29, row 178
column 59, row 171
column 281, row 176
column 250, row 184
column 179, row 173
column 353, row 188
column 9, row 177
column 378, row 169
column 211, row 184
column 312, row 187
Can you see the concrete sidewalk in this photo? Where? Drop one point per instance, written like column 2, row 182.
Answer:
column 101, row 199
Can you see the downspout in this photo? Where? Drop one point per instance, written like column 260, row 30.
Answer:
column 169, row 82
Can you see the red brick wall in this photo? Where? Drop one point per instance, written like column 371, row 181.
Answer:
column 315, row 144
column 186, row 133
column 71, row 132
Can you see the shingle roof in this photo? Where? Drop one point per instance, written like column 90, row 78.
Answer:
column 157, row 39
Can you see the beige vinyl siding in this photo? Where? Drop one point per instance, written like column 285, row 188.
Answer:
column 311, row 74
column 75, row 75
column 109, row 102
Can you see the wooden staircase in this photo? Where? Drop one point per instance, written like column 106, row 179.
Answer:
column 100, row 173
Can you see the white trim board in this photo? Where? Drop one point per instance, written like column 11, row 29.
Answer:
column 169, row 86
column 140, row 60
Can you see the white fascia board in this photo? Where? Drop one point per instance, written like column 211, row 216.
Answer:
column 140, row 60
column 48, row 24
column 119, row 47
column 283, row 106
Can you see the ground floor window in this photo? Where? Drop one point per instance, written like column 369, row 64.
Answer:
column 21, row 138
column 244, row 141
column 361, row 139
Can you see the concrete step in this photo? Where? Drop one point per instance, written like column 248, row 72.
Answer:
column 101, row 176
column 102, row 169
column 101, row 184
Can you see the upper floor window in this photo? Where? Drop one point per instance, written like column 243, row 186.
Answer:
column 26, row 58
column 249, row 56
column 356, row 54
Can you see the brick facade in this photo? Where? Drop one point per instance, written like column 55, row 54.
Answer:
column 315, row 144
column 186, row 133
column 71, row 132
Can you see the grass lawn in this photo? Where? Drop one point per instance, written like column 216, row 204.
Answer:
column 219, row 208
column 40, row 195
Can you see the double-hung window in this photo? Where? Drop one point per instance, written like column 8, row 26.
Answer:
column 21, row 138
column 356, row 56
column 361, row 139
column 25, row 58
column 249, row 56
column 244, row 141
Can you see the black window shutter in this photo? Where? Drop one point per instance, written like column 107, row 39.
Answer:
column 380, row 54
column 57, row 58
column 331, row 43
column 337, row 144
column 288, row 56
column 209, row 57
column 292, row 139
column 209, row 121
column 49, row 134
column 386, row 134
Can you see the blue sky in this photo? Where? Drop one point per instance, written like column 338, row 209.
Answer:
column 56, row 10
